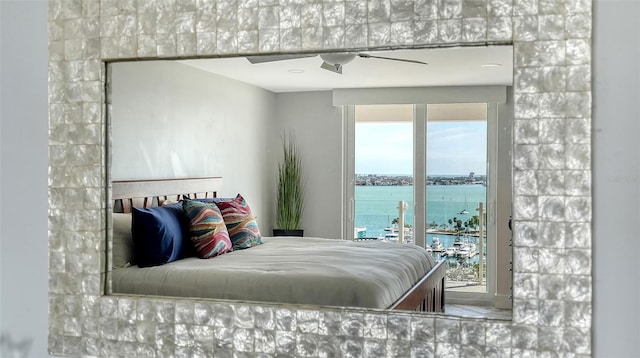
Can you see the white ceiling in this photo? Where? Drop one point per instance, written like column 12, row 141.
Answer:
column 460, row 66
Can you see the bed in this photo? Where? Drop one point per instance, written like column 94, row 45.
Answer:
column 292, row 270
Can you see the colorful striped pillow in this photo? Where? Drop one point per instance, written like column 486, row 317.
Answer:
column 242, row 226
column 207, row 229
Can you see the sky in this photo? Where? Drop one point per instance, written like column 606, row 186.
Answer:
column 453, row 148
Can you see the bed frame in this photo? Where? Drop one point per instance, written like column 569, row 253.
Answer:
column 425, row 296
column 150, row 193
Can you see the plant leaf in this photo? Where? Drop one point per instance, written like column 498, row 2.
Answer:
column 290, row 201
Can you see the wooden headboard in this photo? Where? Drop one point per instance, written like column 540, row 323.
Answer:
column 149, row 193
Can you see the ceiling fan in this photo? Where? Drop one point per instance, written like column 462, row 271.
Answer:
column 331, row 61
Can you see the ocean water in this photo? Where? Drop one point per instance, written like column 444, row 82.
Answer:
column 377, row 206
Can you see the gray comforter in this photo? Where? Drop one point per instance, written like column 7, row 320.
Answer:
column 313, row 271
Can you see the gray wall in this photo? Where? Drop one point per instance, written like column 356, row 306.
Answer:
column 23, row 178
column 170, row 120
column 616, row 179
column 317, row 126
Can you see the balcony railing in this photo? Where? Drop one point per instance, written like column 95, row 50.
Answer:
column 453, row 234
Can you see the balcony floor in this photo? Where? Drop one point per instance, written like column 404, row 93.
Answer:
column 477, row 312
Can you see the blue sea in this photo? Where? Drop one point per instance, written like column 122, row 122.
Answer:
column 377, row 206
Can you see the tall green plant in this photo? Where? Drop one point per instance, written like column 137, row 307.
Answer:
column 290, row 188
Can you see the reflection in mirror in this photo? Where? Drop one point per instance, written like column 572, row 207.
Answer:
column 223, row 119
column 461, row 143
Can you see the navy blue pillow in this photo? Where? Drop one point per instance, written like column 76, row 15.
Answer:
column 159, row 234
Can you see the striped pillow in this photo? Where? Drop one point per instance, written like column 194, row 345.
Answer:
column 207, row 229
column 242, row 226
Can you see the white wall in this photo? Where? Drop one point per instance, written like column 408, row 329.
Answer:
column 616, row 180
column 171, row 120
column 317, row 126
column 23, row 178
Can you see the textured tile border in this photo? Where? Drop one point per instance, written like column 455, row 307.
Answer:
column 552, row 176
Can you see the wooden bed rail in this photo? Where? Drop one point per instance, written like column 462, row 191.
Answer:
column 428, row 294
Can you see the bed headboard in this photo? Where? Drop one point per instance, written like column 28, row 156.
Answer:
column 149, row 193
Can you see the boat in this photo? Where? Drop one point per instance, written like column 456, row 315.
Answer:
column 391, row 228
column 436, row 245
column 466, row 251
column 391, row 236
column 454, row 249
column 457, row 244
column 359, row 232
column 464, row 211
column 451, row 252
column 473, row 251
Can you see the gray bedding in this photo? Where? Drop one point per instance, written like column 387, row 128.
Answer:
column 314, row 271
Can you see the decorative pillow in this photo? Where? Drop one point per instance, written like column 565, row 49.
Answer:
column 122, row 243
column 207, row 229
column 242, row 226
column 158, row 234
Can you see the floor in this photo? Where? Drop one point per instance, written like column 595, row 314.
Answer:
column 477, row 312
column 461, row 286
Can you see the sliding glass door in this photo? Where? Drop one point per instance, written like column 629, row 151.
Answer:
column 426, row 175
column 384, row 172
column 456, row 192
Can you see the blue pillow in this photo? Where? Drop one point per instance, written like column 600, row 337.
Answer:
column 159, row 234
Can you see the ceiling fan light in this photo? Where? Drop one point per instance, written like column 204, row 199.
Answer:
column 338, row 58
column 333, row 68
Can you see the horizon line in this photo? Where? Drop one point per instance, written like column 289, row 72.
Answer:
column 411, row 175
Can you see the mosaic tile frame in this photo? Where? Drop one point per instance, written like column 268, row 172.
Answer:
column 552, row 176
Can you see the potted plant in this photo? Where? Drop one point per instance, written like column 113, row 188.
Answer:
column 290, row 201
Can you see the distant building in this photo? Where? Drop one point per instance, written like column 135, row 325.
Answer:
column 472, row 174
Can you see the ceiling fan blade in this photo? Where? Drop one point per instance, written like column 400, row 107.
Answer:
column 337, row 68
column 272, row 58
column 364, row 55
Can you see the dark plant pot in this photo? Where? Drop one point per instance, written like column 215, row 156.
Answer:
column 281, row 232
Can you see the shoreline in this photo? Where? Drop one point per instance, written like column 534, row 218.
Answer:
column 407, row 180
column 452, row 233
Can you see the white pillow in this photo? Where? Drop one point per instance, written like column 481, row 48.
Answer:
column 123, row 249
